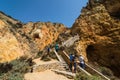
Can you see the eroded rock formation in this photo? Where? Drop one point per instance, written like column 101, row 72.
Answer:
column 18, row 39
column 12, row 43
column 99, row 29
column 9, row 46
column 43, row 33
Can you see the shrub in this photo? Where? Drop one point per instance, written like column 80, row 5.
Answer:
column 106, row 71
column 11, row 76
column 17, row 70
column 15, row 76
column 52, row 55
column 39, row 54
column 5, row 67
column 82, row 76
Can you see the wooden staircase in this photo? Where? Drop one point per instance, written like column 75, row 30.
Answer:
column 63, row 57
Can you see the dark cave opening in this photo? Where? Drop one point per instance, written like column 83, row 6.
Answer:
column 100, row 55
column 115, row 15
column 90, row 52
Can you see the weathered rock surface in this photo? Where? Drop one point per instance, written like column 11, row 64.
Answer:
column 99, row 29
column 18, row 39
column 9, row 46
column 43, row 33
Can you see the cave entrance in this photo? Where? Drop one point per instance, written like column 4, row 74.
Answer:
column 91, row 53
column 116, row 15
column 105, row 59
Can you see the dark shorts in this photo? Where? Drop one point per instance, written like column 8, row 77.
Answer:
column 82, row 65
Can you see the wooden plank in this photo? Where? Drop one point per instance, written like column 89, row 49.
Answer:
column 58, row 56
column 90, row 68
column 66, row 54
column 78, row 66
column 84, row 71
column 98, row 72
column 64, row 72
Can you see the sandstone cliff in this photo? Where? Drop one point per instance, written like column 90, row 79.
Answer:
column 99, row 29
column 43, row 33
column 9, row 45
column 18, row 39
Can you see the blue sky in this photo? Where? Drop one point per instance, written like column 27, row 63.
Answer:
column 61, row 11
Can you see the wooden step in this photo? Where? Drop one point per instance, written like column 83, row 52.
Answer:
column 64, row 72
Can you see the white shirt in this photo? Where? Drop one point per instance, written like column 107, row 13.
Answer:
column 81, row 59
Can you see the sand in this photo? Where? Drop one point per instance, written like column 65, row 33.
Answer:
column 45, row 75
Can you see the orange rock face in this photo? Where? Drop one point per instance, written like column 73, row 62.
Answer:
column 9, row 45
column 44, row 33
column 18, row 39
column 99, row 33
